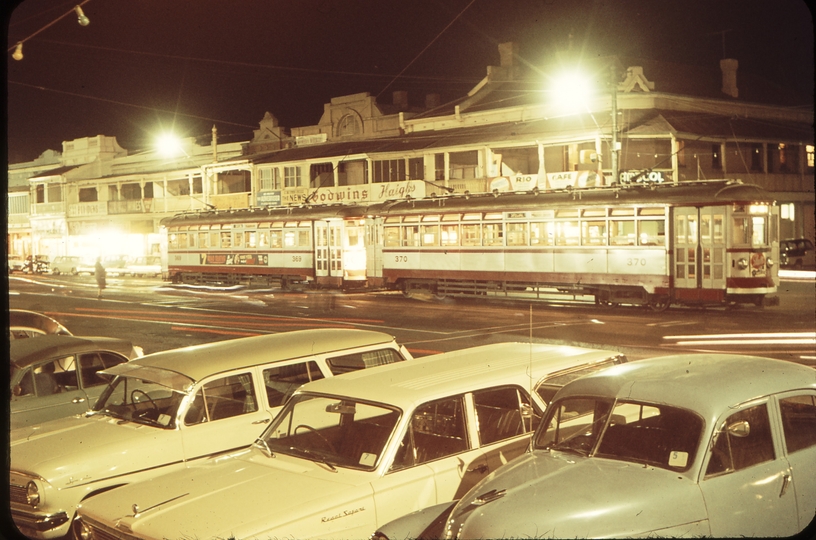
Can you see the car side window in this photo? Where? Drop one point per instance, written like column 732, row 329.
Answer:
column 282, row 381
column 499, row 413
column 437, row 430
column 361, row 360
column 90, row 364
column 743, row 440
column 799, row 422
column 226, row 397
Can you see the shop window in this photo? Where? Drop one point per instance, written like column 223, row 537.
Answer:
column 291, row 177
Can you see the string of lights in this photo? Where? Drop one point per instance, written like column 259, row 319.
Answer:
column 82, row 20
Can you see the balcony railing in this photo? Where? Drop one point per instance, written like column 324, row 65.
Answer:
column 128, row 207
column 94, row 208
column 46, row 209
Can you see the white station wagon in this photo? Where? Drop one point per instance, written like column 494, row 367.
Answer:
column 165, row 410
column 680, row 446
column 348, row 453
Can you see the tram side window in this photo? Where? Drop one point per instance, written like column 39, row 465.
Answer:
column 450, row 235
column 593, row 233
column 303, row 237
column 203, row 239
column 492, row 234
column 471, row 234
column 182, row 240
column 410, row 236
column 214, row 239
column 249, row 239
column 238, row 239
column 652, row 233
column 391, row 236
column 516, row 234
column 622, row 233
column 566, row 233
column 226, row 239
column 541, row 234
column 430, row 235
column 172, row 241
column 276, row 238
column 263, row 239
column 191, row 239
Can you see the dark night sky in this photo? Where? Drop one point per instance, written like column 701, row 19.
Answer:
column 142, row 66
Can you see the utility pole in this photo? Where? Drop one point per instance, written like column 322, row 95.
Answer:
column 614, row 84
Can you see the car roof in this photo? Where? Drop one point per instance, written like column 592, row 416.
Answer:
column 706, row 383
column 22, row 318
column 28, row 351
column 406, row 384
column 199, row 361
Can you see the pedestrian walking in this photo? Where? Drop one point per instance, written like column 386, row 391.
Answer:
column 100, row 273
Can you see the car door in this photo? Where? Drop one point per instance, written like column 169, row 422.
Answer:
column 435, row 461
column 224, row 414
column 798, row 415
column 746, row 485
column 49, row 390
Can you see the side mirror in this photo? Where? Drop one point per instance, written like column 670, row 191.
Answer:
column 739, row 429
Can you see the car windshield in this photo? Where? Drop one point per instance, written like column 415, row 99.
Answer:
column 334, row 431
column 140, row 401
column 657, row 435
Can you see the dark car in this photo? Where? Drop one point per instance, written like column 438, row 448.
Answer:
column 25, row 324
column 54, row 376
column 797, row 253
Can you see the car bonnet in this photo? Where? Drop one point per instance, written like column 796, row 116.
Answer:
column 241, row 496
column 566, row 496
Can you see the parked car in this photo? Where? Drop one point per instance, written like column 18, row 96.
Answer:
column 144, row 266
column 25, row 324
column 86, row 266
column 15, row 263
column 115, row 265
column 797, row 253
column 65, row 264
column 349, row 453
column 166, row 410
column 54, row 376
column 703, row 445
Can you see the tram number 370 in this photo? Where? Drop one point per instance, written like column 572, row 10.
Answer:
column 635, row 262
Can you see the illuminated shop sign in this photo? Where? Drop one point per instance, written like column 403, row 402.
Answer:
column 656, row 177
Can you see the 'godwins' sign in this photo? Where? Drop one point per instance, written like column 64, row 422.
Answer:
column 355, row 194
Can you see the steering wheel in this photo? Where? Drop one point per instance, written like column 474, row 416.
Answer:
column 142, row 392
column 313, row 430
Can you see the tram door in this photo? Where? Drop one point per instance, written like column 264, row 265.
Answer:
column 328, row 249
column 699, row 253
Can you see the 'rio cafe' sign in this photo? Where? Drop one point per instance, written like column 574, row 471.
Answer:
column 550, row 181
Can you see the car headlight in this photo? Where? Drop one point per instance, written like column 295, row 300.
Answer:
column 82, row 531
column 769, row 262
column 742, row 264
column 32, row 493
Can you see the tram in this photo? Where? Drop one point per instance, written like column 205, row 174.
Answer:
column 695, row 243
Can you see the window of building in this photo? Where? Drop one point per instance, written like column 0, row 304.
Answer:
column 148, row 190
column 439, row 166
column 321, row 175
column 463, row 165
column 348, row 125
column 39, row 193
column 197, row 185
column 176, row 188
column 681, row 153
column 291, row 176
column 388, row 170
column 352, row 173
column 511, row 161
column 55, row 193
column 416, row 168
column 233, row 182
column 756, row 157
column 88, row 194
column 131, row 192
column 270, row 178
column 809, row 155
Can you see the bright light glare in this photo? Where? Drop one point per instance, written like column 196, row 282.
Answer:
column 169, row 145
column 570, row 91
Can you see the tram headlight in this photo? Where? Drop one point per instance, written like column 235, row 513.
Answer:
column 769, row 262
column 32, row 494
column 742, row 264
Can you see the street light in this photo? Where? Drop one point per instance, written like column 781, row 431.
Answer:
column 169, row 145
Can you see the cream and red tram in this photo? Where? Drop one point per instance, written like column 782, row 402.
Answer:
column 699, row 243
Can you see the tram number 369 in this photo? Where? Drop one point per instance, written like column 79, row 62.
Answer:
column 635, row 262
column 297, row 258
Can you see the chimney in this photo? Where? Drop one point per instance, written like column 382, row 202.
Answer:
column 507, row 53
column 729, row 76
column 432, row 101
column 401, row 99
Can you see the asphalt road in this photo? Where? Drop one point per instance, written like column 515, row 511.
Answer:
column 158, row 316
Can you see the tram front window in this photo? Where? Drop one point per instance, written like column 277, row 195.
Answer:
column 758, row 231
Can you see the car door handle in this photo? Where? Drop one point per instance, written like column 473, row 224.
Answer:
column 481, row 468
column 78, row 400
column 264, row 421
column 786, row 480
